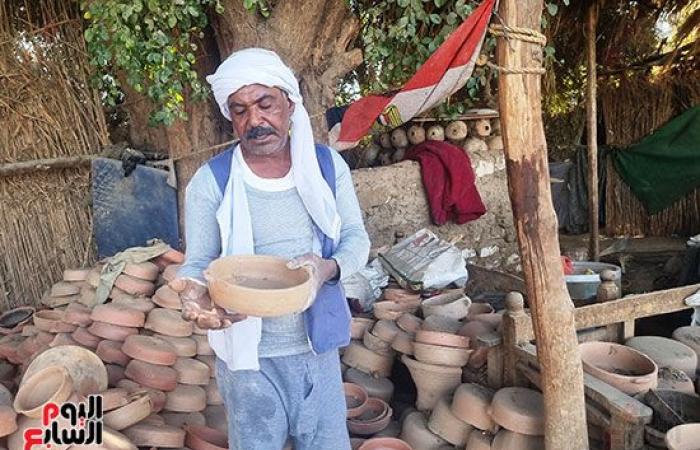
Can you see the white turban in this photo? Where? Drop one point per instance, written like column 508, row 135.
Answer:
column 260, row 66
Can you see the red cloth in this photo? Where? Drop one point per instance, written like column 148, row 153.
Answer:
column 449, row 182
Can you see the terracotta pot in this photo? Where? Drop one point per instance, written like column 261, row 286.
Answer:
column 432, row 381
column 83, row 337
column 385, row 443
column 622, row 367
column 374, row 417
column 181, row 420
column 213, row 395
column 358, row 326
column 355, row 399
column 143, row 304
column 168, row 322
column 387, row 310
column 257, row 285
column 401, row 296
column 440, row 355
column 470, row 404
column 62, row 339
column 137, row 408
column 118, row 314
column 111, row 352
column 442, row 339
column 216, row 418
column 409, row 323
column 415, row 432
column 145, row 271
column 153, row 376
column 191, row 371
column 170, row 272
column 210, row 361
column 376, row 387
column 675, row 380
column 519, row 409
column 64, row 288
column 479, row 441
column 454, row 305
column 446, row 425
column 361, row 358
column 77, row 314
column 173, row 256
column 493, row 319
column 52, row 384
column 441, row 323
column 167, row 298
column 666, row 353
column 185, row 347
column 689, row 336
column 118, row 294
column 403, row 343
column 160, row 436
column 8, row 420
column 84, row 367
column 110, row 331
column 13, row 319
column 134, row 286
column 75, row 274
column 115, row 374
column 114, row 398
column 385, row 330
column 376, row 344
column 157, row 396
column 150, row 349
column 479, row 308
column 205, row 438
column 683, row 437
column 51, row 321
column 186, row 398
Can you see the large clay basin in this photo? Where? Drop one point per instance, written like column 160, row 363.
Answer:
column 684, row 437
column 84, row 367
column 622, row 367
column 52, row 384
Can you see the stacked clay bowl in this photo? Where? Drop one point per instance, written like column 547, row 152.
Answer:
column 374, row 416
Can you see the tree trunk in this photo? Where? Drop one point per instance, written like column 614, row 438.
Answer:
column 592, row 127
column 536, row 226
column 311, row 36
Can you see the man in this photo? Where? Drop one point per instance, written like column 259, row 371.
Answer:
column 275, row 193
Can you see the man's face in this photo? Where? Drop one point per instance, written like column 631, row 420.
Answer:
column 260, row 116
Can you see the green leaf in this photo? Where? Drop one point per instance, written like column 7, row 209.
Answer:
column 435, row 18
column 552, row 8
column 172, row 21
column 440, row 3
column 451, row 18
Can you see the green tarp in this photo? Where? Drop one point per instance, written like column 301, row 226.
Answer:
column 664, row 166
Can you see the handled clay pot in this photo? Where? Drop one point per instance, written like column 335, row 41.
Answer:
column 138, row 407
column 149, row 349
column 446, row 425
column 205, row 438
column 53, row 384
column 355, row 399
column 432, row 381
column 118, row 314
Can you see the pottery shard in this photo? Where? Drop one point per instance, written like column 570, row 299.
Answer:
column 118, row 314
column 145, row 271
column 191, row 371
column 150, row 349
column 203, row 347
column 166, row 297
column 160, row 436
column 151, row 375
column 666, row 353
column 186, row 398
column 443, row 423
column 178, row 420
column 519, row 409
column 168, row 322
column 109, row 331
column 111, row 352
column 77, row 314
column 134, row 286
column 83, row 337
column 470, row 405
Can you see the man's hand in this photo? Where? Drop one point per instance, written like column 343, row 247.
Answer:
column 197, row 307
column 321, row 271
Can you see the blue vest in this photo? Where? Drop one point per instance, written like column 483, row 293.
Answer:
column 328, row 319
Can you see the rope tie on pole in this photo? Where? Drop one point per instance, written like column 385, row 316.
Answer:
column 520, row 34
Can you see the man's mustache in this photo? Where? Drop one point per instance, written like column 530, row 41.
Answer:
column 258, row 132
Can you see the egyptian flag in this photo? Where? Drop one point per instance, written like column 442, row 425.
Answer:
column 443, row 74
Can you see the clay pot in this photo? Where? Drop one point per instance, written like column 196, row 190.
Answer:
column 441, row 355
column 114, row 440
column 384, row 443
column 622, row 367
column 93, row 277
column 213, row 395
column 110, row 331
column 145, row 271
column 114, row 398
column 355, row 399
column 432, row 381
column 470, row 404
column 137, row 408
column 376, row 344
column 216, row 418
column 51, row 321
column 473, row 330
column 374, row 417
column 160, row 436
column 442, row 339
column 111, row 352
column 168, row 322
column 115, row 374
column 519, row 409
column 474, row 145
column 191, row 371
column 186, row 398
column 77, row 314
column 376, row 387
column 13, row 319
column 454, row 305
column 358, row 326
column 166, row 297
column 205, row 438
column 173, row 256
column 88, row 296
column 415, row 432
column 456, row 131
column 118, row 294
column 83, row 337
column 184, row 346
column 403, row 343
column 150, row 375
column 170, row 272
column 495, row 143
column 479, row 441
column 84, row 367
column 479, row 308
column 361, row 358
column 399, row 138
column 674, row 380
column 150, row 349
column 683, row 437
column 156, row 419
column 75, row 274
column 441, row 323
column 157, row 396
column 402, row 296
column 52, row 384
column 446, row 425
column 436, row 133
column 203, row 347
column 385, row 140
column 666, row 353
column 409, row 323
column 482, row 128
column 509, row 440
column 387, row 310
column 689, row 336
column 8, row 420
column 118, row 314
column 142, row 304
column 181, row 420
column 64, row 289
column 416, row 134
column 134, row 286
column 210, row 361
column 385, row 330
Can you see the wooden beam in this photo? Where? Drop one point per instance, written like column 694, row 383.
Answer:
column 536, row 226
column 592, row 128
column 44, row 165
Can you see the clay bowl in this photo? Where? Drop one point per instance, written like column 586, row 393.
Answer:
column 166, row 297
column 15, row 317
column 375, row 416
column 441, row 355
column 260, row 286
column 442, row 339
column 415, row 432
column 387, row 310
column 137, row 408
column 178, row 420
column 77, row 314
column 52, row 384
column 441, row 323
column 168, row 322
column 493, row 319
column 384, row 443
column 360, row 357
column 409, row 322
column 622, row 367
column 355, row 399
column 519, row 409
column 84, row 367
column 454, row 305
column 51, row 321
column 448, row 426
column 471, row 404
column 145, row 270
column 358, row 325
column 186, row 398
column 403, row 343
column 376, row 387
column 401, row 296
column 155, row 436
column 385, row 330
column 150, row 349
column 170, row 272
column 114, row 440
column 118, row 314
column 509, row 440
column 83, row 337
column 377, row 344
column 154, row 376
column 205, row 438
column 684, row 437
column 111, row 352
column 107, row 330
column 134, row 286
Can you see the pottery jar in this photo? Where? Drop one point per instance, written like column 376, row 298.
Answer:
column 53, row 384
column 376, row 344
column 111, row 352
column 683, row 437
column 454, row 305
column 409, row 322
column 118, row 314
column 168, row 322
column 374, row 417
column 416, row 134
column 666, row 352
column 470, row 404
column 358, row 326
column 213, row 395
column 415, row 433
column 185, row 347
column 446, row 425
column 145, row 271
column 150, row 349
column 191, row 371
column 160, row 436
column 205, row 438
column 456, row 131
column 432, row 381
column 8, row 420
column 403, row 343
column 355, row 399
column 385, row 330
column 442, row 339
column 360, row 357
column 436, row 133
column 620, row 366
column 186, row 398
column 376, row 387
column 384, row 443
column 110, row 331
column 163, row 378
column 143, row 304
column 166, row 297
column 441, row 355
column 180, row 420
column 134, row 286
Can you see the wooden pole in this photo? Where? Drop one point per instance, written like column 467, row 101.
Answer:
column 43, row 165
column 592, row 126
column 536, row 226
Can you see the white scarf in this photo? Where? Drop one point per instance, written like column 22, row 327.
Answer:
column 238, row 344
